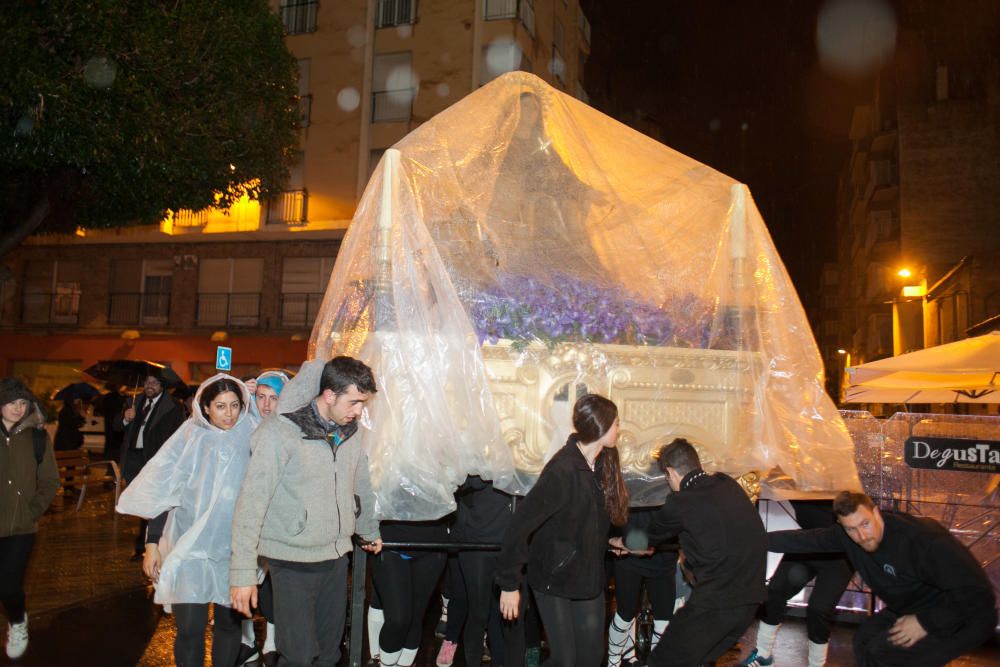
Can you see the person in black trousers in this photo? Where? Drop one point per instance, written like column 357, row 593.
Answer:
column 831, row 572
column 111, row 405
column 71, row 420
column 658, row 572
column 939, row 604
column 406, row 581
column 725, row 550
column 29, row 480
column 560, row 530
column 483, row 515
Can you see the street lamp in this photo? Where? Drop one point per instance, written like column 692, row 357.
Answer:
column 908, row 312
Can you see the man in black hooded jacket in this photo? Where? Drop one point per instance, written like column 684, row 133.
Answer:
column 725, row 549
column 939, row 604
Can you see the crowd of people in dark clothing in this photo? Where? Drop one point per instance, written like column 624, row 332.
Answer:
column 254, row 502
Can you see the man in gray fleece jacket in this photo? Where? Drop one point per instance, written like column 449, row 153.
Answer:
column 306, row 492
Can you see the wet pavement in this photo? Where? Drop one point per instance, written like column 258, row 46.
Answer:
column 90, row 605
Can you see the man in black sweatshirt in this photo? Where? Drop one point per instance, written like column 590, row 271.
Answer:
column 725, row 549
column 939, row 604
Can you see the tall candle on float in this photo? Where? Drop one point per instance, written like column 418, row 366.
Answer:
column 737, row 218
column 383, row 254
column 737, row 215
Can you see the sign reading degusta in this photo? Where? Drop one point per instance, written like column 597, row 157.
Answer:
column 953, row 454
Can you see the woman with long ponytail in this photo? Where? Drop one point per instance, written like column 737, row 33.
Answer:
column 560, row 531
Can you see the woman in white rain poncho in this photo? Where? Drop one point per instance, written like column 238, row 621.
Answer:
column 190, row 489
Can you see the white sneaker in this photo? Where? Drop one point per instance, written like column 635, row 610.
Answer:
column 17, row 639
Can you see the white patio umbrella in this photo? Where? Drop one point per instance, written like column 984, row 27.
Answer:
column 966, row 371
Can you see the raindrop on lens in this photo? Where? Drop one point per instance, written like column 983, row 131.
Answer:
column 100, row 72
column 348, row 99
column 401, row 84
column 501, row 56
column 855, row 37
column 356, row 36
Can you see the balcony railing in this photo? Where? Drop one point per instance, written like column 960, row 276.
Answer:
column 500, row 9
column 392, row 106
column 395, row 12
column 558, row 65
column 298, row 310
column 528, row 16
column 299, row 16
column 496, row 10
column 188, row 218
column 305, row 110
column 227, row 309
column 288, row 208
column 584, row 25
column 149, row 308
column 48, row 308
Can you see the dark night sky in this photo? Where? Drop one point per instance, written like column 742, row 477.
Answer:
column 702, row 69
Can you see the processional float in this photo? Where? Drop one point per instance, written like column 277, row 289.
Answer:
column 521, row 249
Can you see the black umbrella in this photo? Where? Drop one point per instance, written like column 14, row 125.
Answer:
column 132, row 372
column 183, row 391
column 81, row 390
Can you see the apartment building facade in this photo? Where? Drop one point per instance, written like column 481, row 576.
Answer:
column 253, row 278
column 918, row 221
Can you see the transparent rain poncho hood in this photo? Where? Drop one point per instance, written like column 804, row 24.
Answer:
column 520, row 249
column 270, row 378
column 196, row 475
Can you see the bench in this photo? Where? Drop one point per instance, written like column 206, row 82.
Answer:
column 76, row 470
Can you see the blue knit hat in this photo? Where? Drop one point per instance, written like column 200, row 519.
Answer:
column 275, row 382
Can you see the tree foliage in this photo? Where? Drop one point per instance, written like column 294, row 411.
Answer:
column 112, row 111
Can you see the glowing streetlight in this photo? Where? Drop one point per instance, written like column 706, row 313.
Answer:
column 904, row 273
column 841, row 351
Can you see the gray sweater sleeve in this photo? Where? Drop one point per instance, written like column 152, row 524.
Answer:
column 366, row 525
column 263, row 475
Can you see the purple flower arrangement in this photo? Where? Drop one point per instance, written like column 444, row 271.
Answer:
column 565, row 309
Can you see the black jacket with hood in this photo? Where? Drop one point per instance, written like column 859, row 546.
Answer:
column 722, row 537
column 560, row 530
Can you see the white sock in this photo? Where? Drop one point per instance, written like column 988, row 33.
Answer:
column 269, row 646
column 658, row 629
column 766, row 634
column 407, row 657
column 386, row 659
column 376, row 619
column 817, row 654
column 249, row 638
column 619, row 639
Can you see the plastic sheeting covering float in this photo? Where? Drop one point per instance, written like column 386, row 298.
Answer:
column 520, row 249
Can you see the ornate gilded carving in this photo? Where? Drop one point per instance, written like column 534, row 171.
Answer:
column 750, row 481
column 662, row 393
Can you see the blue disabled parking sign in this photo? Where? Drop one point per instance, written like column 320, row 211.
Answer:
column 224, row 358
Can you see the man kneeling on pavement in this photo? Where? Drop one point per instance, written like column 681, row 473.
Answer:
column 939, row 603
